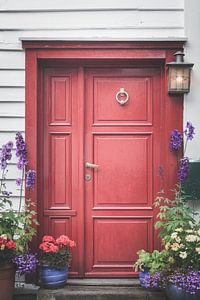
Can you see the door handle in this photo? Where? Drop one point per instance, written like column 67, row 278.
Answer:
column 90, row 165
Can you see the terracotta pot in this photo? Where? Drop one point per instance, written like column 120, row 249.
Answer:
column 7, row 282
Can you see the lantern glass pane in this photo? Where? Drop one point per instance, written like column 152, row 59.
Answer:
column 179, row 79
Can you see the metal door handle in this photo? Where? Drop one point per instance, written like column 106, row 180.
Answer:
column 90, row 165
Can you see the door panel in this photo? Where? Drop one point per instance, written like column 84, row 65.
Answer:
column 123, row 141
column 138, row 109
column 115, row 236
column 124, row 175
column 59, row 172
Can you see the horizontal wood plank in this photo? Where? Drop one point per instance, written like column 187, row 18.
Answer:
column 77, row 20
column 12, row 124
column 88, row 4
column 12, row 78
column 12, row 60
column 12, row 94
column 12, row 109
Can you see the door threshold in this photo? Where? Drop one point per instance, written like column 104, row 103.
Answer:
column 104, row 282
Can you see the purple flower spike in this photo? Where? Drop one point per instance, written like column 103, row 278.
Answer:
column 21, row 151
column 18, row 181
column 176, row 140
column 30, row 179
column 189, row 131
column 5, row 155
column 183, row 169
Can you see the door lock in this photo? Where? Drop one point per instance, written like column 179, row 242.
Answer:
column 88, row 177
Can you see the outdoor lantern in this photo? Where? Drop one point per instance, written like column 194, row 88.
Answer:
column 179, row 75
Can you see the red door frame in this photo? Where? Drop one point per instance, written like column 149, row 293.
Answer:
column 37, row 53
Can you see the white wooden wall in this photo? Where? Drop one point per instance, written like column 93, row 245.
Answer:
column 71, row 20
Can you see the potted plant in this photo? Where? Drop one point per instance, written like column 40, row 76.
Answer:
column 150, row 263
column 180, row 235
column 17, row 223
column 54, row 260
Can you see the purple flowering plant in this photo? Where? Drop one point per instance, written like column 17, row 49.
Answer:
column 176, row 146
column 179, row 230
column 18, row 222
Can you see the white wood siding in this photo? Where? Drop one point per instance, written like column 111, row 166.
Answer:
column 72, row 20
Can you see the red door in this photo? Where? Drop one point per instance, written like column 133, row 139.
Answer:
column 109, row 118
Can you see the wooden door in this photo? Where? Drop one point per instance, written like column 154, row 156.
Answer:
column 124, row 141
column 81, row 121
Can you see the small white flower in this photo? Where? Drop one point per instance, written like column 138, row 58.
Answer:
column 179, row 229
column 183, row 255
column 178, row 239
column 198, row 250
column 4, row 236
column 174, row 235
column 167, row 246
column 175, row 246
column 191, row 238
column 191, row 224
column 189, row 231
column 198, row 232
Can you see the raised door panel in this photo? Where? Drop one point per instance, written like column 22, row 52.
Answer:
column 60, row 167
column 60, row 99
column 117, row 240
column 137, row 109
column 124, row 176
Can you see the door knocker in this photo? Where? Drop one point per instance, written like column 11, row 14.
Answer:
column 122, row 93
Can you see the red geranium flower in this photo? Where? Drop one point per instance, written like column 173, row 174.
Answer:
column 53, row 248
column 63, row 240
column 48, row 238
column 48, row 247
column 11, row 245
column 72, row 244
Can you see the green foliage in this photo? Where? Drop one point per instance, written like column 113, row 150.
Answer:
column 180, row 235
column 172, row 213
column 153, row 262
column 18, row 226
column 56, row 260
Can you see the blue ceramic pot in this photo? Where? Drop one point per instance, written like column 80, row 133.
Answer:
column 52, row 278
column 174, row 293
column 142, row 277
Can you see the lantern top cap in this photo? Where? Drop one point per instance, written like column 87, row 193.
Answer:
column 180, row 60
column 179, row 56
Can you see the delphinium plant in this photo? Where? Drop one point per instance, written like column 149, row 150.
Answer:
column 178, row 228
column 17, row 225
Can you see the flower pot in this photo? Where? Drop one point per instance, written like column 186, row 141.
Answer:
column 142, row 276
column 7, row 282
column 173, row 292
column 51, row 278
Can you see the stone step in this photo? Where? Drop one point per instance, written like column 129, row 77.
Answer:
column 101, row 289
column 99, row 293
column 91, row 289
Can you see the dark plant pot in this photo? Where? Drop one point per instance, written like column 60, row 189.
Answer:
column 51, row 278
column 142, row 275
column 175, row 293
column 7, row 282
